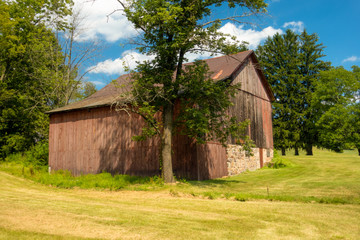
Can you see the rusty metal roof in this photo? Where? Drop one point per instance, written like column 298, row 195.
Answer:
column 221, row 68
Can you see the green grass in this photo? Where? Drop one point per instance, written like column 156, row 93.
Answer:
column 34, row 211
column 229, row 208
column 64, row 179
column 326, row 177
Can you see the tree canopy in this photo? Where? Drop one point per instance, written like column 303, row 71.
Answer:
column 336, row 98
column 292, row 63
column 33, row 71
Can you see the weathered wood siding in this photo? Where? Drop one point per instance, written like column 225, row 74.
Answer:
column 184, row 157
column 253, row 103
column 198, row 161
column 212, row 161
column 97, row 140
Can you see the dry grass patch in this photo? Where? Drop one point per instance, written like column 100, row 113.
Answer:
column 34, row 211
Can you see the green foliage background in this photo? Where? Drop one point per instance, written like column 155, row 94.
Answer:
column 32, row 71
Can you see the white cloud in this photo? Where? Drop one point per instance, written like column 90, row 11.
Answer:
column 351, row 59
column 97, row 24
column 295, row 26
column 253, row 37
column 127, row 59
column 98, row 83
column 191, row 57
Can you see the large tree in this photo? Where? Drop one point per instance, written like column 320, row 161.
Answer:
column 311, row 64
column 280, row 61
column 336, row 99
column 292, row 63
column 27, row 74
column 169, row 30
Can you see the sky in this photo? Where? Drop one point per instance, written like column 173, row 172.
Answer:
column 337, row 24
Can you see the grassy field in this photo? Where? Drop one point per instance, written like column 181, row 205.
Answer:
column 325, row 177
column 293, row 209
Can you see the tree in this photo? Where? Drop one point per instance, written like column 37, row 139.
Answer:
column 292, row 63
column 76, row 55
column 169, row 30
column 83, row 91
column 311, row 65
column 280, row 61
column 28, row 48
column 336, row 98
column 355, row 111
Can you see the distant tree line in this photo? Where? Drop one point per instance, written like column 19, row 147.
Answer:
column 37, row 73
column 316, row 104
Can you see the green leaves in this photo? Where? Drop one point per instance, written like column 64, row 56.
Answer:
column 30, row 59
column 203, row 105
column 292, row 63
column 336, row 100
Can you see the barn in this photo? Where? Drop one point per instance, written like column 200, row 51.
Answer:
column 89, row 136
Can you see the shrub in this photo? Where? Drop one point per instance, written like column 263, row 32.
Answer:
column 13, row 144
column 16, row 158
column 38, row 155
column 278, row 161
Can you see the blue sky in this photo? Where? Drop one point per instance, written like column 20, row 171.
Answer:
column 337, row 23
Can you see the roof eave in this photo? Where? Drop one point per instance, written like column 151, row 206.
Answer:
column 75, row 109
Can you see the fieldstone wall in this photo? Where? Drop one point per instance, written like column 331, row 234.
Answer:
column 238, row 162
column 268, row 154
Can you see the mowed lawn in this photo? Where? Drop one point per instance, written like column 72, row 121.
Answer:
column 30, row 210
column 325, row 176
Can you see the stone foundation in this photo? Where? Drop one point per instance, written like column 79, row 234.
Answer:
column 238, row 162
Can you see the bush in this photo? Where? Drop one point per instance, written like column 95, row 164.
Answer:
column 12, row 144
column 278, row 161
column 38, row 155
column 16, row 158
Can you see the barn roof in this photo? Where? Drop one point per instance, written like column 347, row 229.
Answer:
column 223, row 67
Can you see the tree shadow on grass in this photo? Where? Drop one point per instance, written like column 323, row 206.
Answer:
column 215, row 183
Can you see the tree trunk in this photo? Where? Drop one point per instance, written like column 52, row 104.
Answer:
column 308, row 149
column 359, row 151
column 296, row 151
column 167, row 170
column 283, row 151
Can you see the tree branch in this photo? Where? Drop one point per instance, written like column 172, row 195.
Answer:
column 232, row 18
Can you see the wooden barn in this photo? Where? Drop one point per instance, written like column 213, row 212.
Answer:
column 89, row 136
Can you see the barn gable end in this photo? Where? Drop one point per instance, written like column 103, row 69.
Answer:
column 253, row 103
column 90, row 137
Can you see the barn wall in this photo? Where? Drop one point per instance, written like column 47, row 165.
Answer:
column 97, row 140
column 253, row 103
column 211, row 159
column 184, row 157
